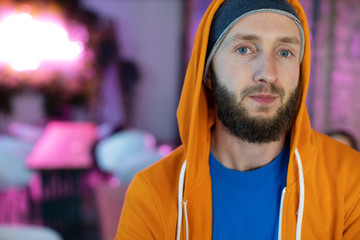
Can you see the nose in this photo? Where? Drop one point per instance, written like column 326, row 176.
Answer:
column 266, row 69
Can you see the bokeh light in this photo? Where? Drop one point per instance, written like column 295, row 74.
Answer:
column 27, row 42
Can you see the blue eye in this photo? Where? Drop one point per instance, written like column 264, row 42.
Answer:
column 243, row 50
column 285, row 53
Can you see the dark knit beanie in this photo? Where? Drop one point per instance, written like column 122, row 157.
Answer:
column 232, row 11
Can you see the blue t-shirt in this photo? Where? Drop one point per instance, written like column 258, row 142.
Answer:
column 246, row 204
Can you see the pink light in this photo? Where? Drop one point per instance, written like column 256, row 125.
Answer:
column 114, row 182
column 164, row 150
column 25, row 42
column 149, row 141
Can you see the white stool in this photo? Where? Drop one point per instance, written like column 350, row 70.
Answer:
column 11, row 232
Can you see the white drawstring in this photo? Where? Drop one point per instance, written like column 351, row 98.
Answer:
column 300, row 209
column 301, row 200
column 186, row 221
column 281, row 212
column 302, row 196
column 180, row 199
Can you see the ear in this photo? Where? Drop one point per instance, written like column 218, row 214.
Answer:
column 207, row 80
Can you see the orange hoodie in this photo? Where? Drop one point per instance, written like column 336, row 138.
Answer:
column 173, row 200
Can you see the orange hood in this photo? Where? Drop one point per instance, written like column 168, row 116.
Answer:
column 196, row 114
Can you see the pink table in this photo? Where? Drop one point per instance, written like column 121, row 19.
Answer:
column 64, row 145
column 62, row 156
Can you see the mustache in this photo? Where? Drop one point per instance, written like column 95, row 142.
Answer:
column 261, row 89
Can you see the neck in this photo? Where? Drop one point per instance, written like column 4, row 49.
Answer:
column 240, row 155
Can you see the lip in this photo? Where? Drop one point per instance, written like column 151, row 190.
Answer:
column 263, row 98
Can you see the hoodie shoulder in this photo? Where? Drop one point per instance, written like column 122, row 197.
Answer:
column 150, row 207
column 341, row 164
column 336, row 150
column 167, row 169
column 332, row 189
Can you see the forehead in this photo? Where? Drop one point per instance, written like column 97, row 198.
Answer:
column 265, row 25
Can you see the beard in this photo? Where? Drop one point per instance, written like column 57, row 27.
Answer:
column 237, row 120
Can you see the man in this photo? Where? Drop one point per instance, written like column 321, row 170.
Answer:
column 344, row 137
column 250, row 166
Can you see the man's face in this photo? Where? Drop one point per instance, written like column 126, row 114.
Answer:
column 255, row 77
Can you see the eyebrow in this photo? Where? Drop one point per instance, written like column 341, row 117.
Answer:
column 292, row 40
column 239, row 36
column 252, row 37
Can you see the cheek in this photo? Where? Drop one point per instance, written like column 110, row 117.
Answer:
column 290, row 89
column 290, row 83
column 293, row 80
column 236, row 76
column 291, row 74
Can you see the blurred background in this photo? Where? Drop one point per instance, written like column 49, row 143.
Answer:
column 88, row 97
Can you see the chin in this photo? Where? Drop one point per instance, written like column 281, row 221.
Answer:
column 263, row 114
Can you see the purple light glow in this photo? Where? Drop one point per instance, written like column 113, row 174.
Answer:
column 27, row 42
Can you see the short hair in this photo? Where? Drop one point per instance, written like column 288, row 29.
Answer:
column 346, row 134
